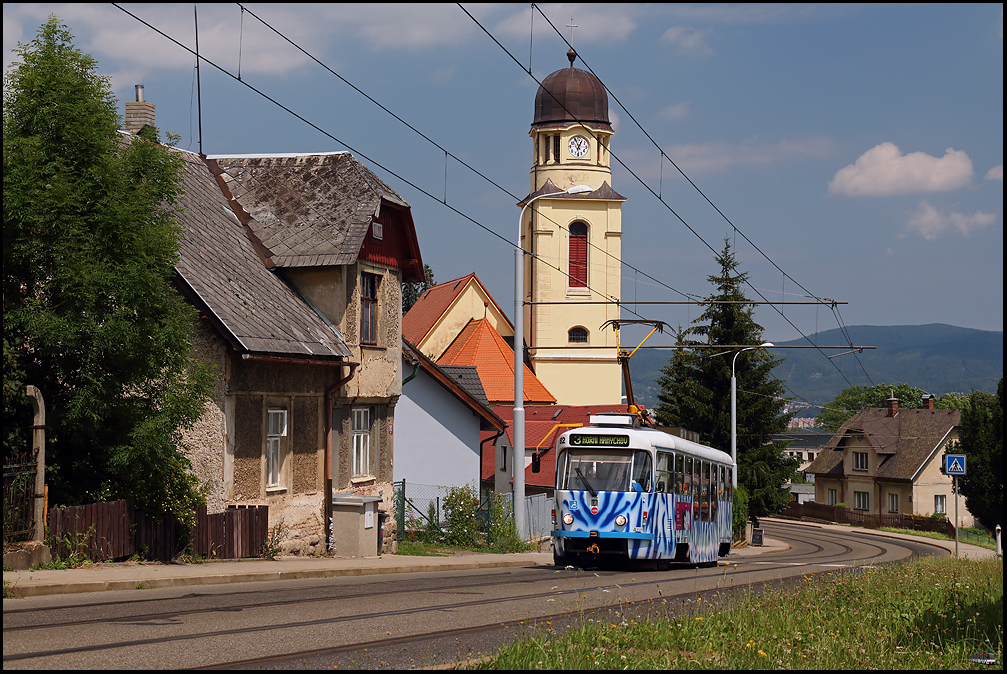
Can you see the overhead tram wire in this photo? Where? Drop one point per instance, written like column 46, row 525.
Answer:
column 446, row 152
column 838, row 317
column 346, row 145
column 647, row 187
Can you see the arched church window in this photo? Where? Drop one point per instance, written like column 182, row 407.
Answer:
column 578, row 255
column 577, row 336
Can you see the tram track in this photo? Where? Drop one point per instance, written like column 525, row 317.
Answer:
column 745, row 574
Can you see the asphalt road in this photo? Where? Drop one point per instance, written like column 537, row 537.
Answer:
column 401, row 621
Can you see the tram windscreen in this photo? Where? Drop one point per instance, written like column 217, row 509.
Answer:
column 596, row 470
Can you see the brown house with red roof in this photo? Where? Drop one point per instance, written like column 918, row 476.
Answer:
column 886, row 460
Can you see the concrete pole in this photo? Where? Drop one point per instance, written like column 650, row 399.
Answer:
column 38, row 448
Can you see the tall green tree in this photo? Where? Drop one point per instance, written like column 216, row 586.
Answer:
column 90, row 312
column 851, row 400
column 412, row 290
column 696, row 390
column 981, row 439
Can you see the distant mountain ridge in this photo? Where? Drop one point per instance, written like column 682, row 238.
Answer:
column 937, row 358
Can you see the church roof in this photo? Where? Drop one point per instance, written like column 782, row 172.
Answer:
column 571, row 95
column 481, row 345
column 604, row 192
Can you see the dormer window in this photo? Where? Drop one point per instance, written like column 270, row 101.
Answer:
column 859, row 460
column 377, row 230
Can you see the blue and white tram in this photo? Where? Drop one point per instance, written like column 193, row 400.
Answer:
column 627, row 492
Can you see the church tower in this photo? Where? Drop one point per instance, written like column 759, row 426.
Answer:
column 574, row 241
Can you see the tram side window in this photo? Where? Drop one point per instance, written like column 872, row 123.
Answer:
column 729, row 485
column 705, row 494
column 697, row 490
column 687, row 485
column 665, row 463
column 716, row 491
column 680, row 475
column 642, row 470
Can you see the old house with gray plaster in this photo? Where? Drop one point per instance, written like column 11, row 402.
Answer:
column 295, row 264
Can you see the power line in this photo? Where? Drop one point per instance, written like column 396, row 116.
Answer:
column 633, row 173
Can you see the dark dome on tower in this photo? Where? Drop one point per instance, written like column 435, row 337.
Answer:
column 570, row 95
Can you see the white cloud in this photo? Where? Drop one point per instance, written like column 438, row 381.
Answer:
column 595, row 23
column 996, row 173
column 707, row 158
column 676, row 111
column 930, row 223
column 884, row 170
column 689, row 41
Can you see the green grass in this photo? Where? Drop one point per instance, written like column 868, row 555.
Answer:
column 926, row 614
column 970, row 536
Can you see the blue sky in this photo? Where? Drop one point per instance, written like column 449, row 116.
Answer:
column 858, row 147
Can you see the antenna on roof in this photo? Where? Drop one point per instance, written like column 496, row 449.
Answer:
column 199, row 103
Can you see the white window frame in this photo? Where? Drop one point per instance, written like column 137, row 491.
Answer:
column 861, row 500
column 360, row 442
column 860, row 461
column 940, row 504
column 276, row 431
column 893, row 502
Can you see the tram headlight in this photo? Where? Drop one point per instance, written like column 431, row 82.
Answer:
column 568, row 519
column 620, row 520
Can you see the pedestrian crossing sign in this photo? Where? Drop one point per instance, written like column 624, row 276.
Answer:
column 955, row 464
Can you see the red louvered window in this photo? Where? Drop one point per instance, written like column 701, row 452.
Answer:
column 578, row 255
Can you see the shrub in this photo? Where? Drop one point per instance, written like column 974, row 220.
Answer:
column 460, row 507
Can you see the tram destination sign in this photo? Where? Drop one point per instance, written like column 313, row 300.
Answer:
column 578, row 440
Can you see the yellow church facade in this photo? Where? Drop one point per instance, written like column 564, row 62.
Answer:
column 573, row 272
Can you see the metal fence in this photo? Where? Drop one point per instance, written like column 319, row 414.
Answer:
column 839, row 515
column 419, row 508
column 19, row 471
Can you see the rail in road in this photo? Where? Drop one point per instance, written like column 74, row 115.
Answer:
column 411, row 620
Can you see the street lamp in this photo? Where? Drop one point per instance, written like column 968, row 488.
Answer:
column 517, row 465
column 734, row 412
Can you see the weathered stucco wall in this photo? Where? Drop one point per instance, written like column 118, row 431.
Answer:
column 203, row 443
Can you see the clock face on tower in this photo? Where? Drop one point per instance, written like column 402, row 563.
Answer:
column 578, row 146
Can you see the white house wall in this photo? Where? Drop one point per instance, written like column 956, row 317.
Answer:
column 436, row 436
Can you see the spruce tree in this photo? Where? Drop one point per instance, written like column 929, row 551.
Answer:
column 696, row 390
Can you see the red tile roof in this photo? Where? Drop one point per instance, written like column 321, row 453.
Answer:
column 481, row 345
column 431, row 305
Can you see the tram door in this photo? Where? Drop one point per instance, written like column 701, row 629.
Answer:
column 664, row 524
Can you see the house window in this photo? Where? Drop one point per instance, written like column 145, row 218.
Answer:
column 361, row 438
column 862, row 500
column 893, row 503
column 940, row 504
column 369, row 308
column 859, row 460
column 577, row 336
column 833, row 497
column 377, row 230
column 811, row 456
column 578, row 255
column 276, row 430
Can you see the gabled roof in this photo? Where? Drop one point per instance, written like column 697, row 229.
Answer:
column 461, row 382
column 221, row 273
column 481, row 345
column 435, row 302
column 307, row 209
column 605, row 192
column 905, row 441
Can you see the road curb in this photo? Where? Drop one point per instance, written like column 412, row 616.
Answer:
column 42, row 588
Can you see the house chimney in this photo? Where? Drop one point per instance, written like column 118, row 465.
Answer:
column 928, row 401
column 893, row 405
column 139, row 113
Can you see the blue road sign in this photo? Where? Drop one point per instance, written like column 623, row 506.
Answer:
column 955, row 464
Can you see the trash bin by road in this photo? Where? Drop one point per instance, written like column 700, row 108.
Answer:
column 354, row 523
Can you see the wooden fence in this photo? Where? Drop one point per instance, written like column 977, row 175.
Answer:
column 233, row 534
column 117, row 530
column 820, row 511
